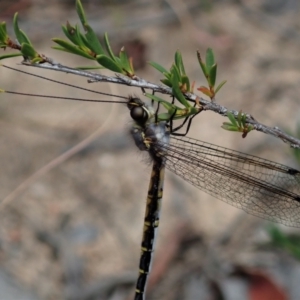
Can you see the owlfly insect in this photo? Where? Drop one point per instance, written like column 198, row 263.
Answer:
column 258, row 186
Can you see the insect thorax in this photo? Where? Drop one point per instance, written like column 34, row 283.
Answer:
column 152, row 138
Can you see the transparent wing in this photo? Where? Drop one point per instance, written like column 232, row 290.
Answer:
column 260, row 187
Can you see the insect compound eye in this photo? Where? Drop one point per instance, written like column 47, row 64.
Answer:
column 139, row 114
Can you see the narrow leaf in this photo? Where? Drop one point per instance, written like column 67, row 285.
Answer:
column 202, row 64
column 72, row 48
column 21, row 36
column 81, row 40
column 84, row 44
column 167, row 82
column 108, row 63
column 25, row 37
column 68, row 34
column 186, row 82
column 210, row 59
column 108, row 48
column 229, row 127
column 167, row 105
column 232, row 119
column 90, row 68
column 3, row 27
column 227, row 124
column 118, row 61
column 220, row 85
column 36, row 60
column 239, row 119
column 178, row 94
column 243, row 120
column 171, row 108
column 93, row 40
column 175, row 74
column 158, row 67
column 81, row 13
column 61, row 49
column 164, row 117
column 179, row 62
column 212, row 75
column 125, row 60
column 28, row 51
column 10, row 55
column 250, row 128
column 3, row 33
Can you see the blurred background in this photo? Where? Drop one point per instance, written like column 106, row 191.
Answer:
column 74, row 232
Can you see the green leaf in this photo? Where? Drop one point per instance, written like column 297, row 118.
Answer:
column 212, row 75
column 25, row 37
column 166, row 104
column 108, row 63
column 232, row 119
column 10, row 55
column 36, row 60
column 81, row 40
column 158, row 67
column 71, row 48
column 167, row 82
column 244, row 118
column 178, row 94
column 61, row 49
column 84, row 45
column 250, row 128
column 81, row 13
column 171, row 109
column 220, row 85
column 3, row 33
column 240, row 119
column 65, row 30
column 70, row 33
column 90, row 68
column 210, row 59
column 125, row 61
column 175, row 74
column 202, row 64
column 28, row 51
column 93, row 40
column 164, row 117
column 179, row 62
column 229, row 127
column 108, row 48
column 3, row 27
column 168, row 76
column 76, row 37
column 185, row 81
column 21, row 36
